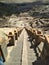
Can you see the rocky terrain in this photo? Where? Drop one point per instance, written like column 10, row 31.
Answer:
column 35, row 14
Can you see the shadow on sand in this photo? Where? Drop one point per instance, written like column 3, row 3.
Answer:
column 39, row 61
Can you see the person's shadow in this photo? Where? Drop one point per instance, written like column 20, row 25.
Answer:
column 38, row 62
